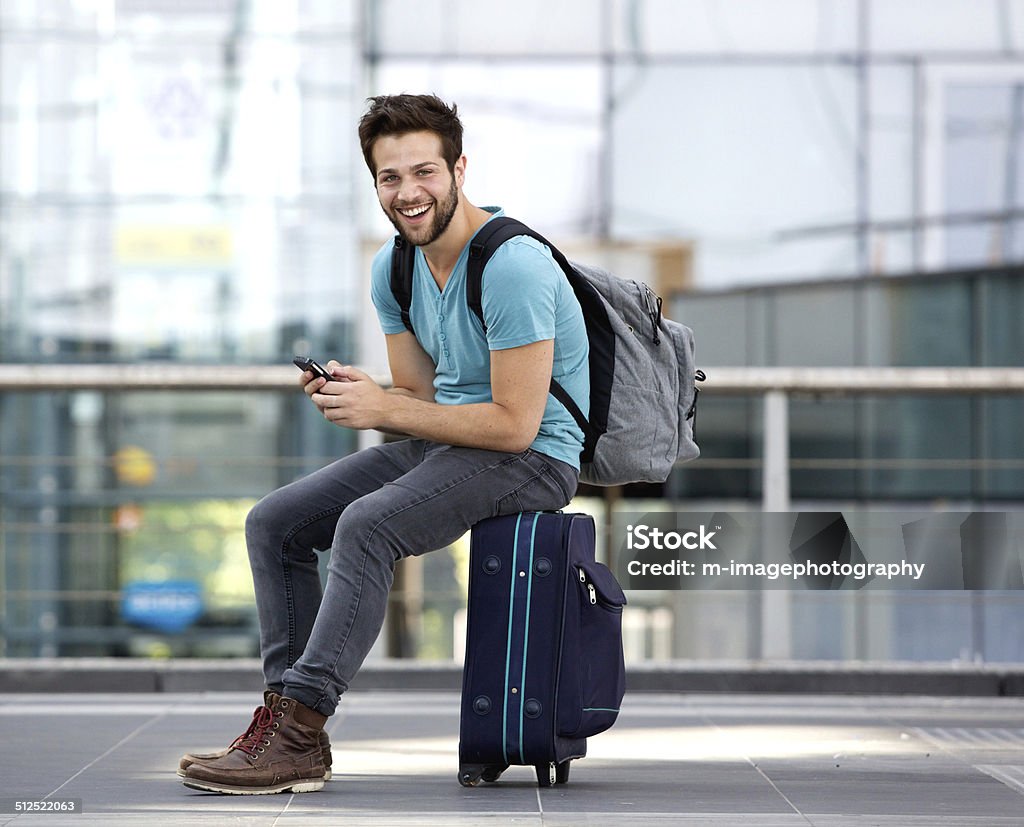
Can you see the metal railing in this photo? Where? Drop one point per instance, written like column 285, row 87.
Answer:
column 775, row 384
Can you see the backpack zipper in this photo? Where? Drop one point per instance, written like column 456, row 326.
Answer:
column 652, row 302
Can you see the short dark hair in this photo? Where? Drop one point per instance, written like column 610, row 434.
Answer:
column 401, row 114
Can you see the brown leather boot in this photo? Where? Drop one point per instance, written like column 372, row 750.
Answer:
column 269, row 699
column 281, row 754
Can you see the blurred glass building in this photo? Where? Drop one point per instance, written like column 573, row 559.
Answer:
column 818, row 183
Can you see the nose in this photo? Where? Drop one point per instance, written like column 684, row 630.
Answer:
column 408, row 190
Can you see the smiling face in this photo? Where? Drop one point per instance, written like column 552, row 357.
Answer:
column 416, row 190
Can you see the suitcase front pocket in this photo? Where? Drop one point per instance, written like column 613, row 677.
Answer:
column 595, row 681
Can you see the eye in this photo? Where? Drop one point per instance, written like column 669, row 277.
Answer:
column 425, row 172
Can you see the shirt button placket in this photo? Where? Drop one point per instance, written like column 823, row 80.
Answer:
column 442, row 333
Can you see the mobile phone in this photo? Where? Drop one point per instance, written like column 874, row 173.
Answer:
column 317, row 369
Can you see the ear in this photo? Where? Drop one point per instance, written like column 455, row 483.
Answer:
column 460, row 171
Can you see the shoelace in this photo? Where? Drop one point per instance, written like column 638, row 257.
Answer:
column 248, row 729
column 254, row 740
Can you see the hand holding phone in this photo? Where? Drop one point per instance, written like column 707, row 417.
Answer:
column 305, row 363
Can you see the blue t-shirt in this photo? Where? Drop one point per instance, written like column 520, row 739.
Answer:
column 526, row 298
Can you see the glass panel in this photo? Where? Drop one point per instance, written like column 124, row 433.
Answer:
column 718, row 166
column 930, row 323
column 532, row 27
column 153, row 183
column 952, row 25
column 1001, row 322
column 931, row 626
column 823, row 430
column 725, row 429
column 1003, row 626
column 892, row 252
column 891, row 149
column 920, row 445
column 822, row 625
column 694, row 27
column 724, row 331
column 825, row 315
column 1002, row 445
column 978, row 116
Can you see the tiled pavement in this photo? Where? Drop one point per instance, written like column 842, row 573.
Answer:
column 753, row 760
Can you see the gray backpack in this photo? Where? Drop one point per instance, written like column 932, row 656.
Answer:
column 643, row 394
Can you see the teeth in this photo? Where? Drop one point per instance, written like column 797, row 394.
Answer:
column 414, row 211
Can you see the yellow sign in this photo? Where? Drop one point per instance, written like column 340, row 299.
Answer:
column 209, row 244
column 134, row 465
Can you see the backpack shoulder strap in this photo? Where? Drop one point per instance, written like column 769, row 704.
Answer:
column 485, row 243
column 403, row 258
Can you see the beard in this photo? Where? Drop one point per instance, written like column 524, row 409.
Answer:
column 444, row 211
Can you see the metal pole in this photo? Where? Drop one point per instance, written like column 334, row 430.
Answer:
column 775, row 480
column 1010, row 170
column 605, row 175
column 917, row 134
column 776, row 637
column 863, row 168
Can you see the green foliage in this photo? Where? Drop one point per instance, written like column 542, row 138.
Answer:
column 202, row 541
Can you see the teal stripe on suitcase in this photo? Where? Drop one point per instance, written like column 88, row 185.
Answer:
column 526, row 633
column 508, row 640
column 517, row 640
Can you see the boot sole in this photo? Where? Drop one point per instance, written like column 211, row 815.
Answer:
column 181, row 774
column 306, row 785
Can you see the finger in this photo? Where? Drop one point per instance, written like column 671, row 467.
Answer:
column 326, row 400
column 313, row 384
column 335, row 415
column 336, row 369
column 353, row 374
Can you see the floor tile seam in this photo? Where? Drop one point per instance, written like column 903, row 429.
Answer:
column 995, row 737
column 110, row 750
column 710, row 722
column 998, row 772
column 951, row 752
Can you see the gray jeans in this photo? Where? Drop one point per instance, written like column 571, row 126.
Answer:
column 371, row 509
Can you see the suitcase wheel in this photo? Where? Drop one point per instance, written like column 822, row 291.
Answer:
column 552, row 773
column 471, row 774
column 492, row 774
column 562, row 772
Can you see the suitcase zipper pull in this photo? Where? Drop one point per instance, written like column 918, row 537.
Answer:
column 590, row 587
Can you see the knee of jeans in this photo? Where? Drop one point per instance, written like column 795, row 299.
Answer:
column 361, row 527
column 260, row 523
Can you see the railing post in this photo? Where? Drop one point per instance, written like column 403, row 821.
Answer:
column 776, row 628
column 775, row 479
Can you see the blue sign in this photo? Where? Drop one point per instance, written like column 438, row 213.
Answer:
column 170, row 605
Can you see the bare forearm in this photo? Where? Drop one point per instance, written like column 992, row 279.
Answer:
column 509, row 422
column 426, row 395
column 484, row 425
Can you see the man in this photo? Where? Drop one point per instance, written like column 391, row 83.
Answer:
column 485, row 439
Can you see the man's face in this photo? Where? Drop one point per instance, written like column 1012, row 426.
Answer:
column 414, row 186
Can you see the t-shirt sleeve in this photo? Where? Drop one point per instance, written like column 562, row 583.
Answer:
column 521, row 285
column 388, row 311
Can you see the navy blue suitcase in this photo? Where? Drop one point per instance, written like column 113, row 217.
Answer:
column 544, row 668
